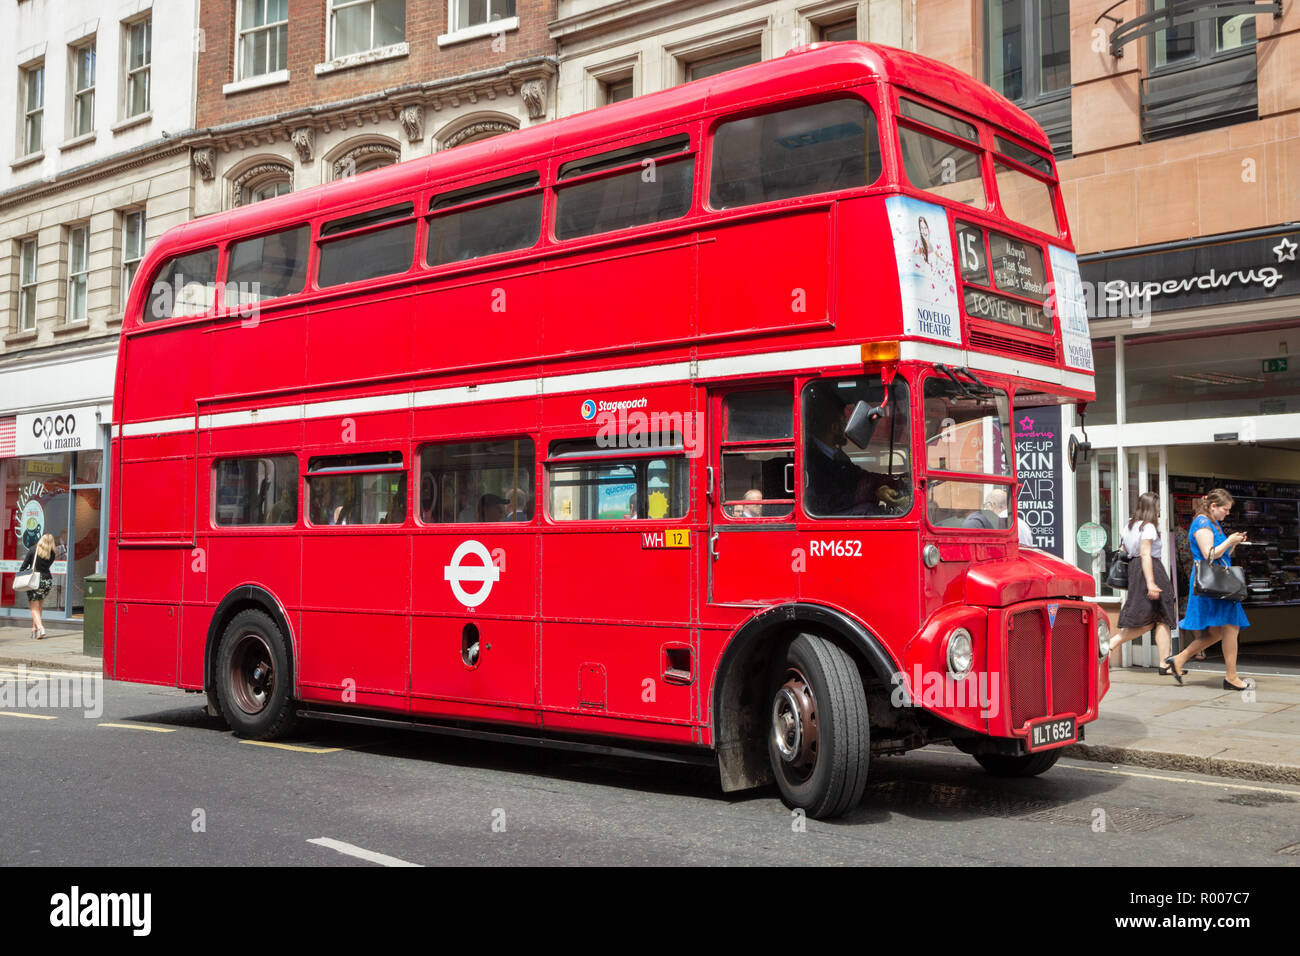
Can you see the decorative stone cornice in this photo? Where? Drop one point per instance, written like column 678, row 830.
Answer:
column 346, row 164
column 475, row 129
column 534, row 96
column 241, row 182
column 412, row 120
column 205, row 162
column 304, row 141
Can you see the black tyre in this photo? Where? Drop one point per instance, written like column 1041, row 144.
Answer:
column 1026, row 765
column 254, row 679
column 819, row 737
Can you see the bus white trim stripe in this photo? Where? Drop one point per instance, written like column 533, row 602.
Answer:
column 823, row 357
column 519, row 388
column 160, row 426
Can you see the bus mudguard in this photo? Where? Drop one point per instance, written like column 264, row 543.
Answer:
column 240, row 598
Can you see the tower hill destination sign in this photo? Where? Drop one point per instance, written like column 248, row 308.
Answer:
column 1243, row 268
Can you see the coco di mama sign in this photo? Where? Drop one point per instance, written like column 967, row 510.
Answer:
column 68, row 429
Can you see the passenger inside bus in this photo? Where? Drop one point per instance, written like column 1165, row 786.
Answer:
column 836, row 485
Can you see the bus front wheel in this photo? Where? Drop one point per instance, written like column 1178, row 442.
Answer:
column 819, row 738
column 1025, row 765
column 254, row 679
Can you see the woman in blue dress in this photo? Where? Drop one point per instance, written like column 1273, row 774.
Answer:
column 1222, row 620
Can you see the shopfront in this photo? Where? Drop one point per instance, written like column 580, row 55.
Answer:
column 53, row 479
column 1197, row 349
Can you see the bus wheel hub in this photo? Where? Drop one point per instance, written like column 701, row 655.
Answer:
column 794, row 721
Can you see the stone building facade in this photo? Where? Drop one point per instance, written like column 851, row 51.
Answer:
column 610, row 51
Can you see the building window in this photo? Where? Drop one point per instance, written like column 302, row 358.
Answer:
column 27, row 285
column 1201, row 75
column 78, row 271
column 618, row 90
column 1027, row 60
column 132, row 248
column 713, row 65
column 360, row 25
column 367, row 157
column 83, row 89
column 263, row 37
column 33, row 98
column 470, row 13
column 840, row 30
column 139, row 57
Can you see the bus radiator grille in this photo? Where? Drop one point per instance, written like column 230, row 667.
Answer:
column 1027, row 666
column 1044, row 352
column 1071, row 654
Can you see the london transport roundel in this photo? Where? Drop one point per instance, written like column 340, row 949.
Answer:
column 482, row 572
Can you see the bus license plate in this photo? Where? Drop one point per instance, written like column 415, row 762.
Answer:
column 1051, row 733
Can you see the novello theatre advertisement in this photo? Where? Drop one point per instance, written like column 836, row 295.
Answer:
column 927, row 278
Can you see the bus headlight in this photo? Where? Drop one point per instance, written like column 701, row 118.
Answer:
column 1103, row 636
column 961, row 653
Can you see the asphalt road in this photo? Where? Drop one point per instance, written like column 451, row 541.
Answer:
column 153, row 780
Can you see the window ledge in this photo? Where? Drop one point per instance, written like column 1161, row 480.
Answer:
column 27, row 160
column 16, row 338
column 256, row 82
column 136, row 120
column 479, row 30
column 82, row 325
column 376, row 55
column 81, row 140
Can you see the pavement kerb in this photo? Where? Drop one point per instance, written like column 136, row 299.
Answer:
column 1186, row 763
column 36, row 663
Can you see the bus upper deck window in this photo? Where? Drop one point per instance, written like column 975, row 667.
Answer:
column 625, row 196
column 511, row 220
column 378, row 242
column 1026, row 200
column 268, row 266
column 942, row 168
column 184, row 285
column 803, row 151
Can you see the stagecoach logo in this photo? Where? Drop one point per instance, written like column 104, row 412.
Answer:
column 486, row 573
column 588, row 410
column 29, row 516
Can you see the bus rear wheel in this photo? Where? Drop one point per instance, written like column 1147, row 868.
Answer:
column 819, row 738
column 254, row 678
column 1025, row 765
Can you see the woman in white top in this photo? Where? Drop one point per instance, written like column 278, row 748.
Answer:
column 1150, row 600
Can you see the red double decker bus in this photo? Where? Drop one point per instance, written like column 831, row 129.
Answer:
column 682, row 422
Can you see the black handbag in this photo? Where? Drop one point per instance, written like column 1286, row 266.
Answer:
column 1117, row 576
column 1220, row 581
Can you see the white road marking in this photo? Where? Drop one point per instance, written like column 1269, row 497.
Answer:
column 369, row 855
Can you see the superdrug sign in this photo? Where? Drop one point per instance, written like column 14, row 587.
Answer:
column 1215, row 273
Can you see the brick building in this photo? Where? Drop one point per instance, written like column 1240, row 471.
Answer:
column 294, row 93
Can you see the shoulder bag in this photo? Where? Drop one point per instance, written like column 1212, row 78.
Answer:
column 1117, row 576
column 1220, row 581
column 29, row 580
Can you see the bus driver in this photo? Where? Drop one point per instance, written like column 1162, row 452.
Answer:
column 836, row 486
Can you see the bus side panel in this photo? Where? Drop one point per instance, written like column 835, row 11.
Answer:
column 252, row 356
column 339, row 351
column 867, row 301
column 165, row 372
column 195, row 619
column 636, row 296
column 496, row 320
column 355, row 630
column 766, row 274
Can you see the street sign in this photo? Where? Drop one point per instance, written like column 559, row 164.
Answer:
column 1274, row 365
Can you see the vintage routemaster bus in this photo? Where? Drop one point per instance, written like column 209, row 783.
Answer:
column 680, row 427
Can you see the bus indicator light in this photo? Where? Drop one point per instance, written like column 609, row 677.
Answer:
column 877, row 352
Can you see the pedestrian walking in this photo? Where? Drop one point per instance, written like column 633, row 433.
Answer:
column 1222, row 619
column 39, row 558
column 1150, row 600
